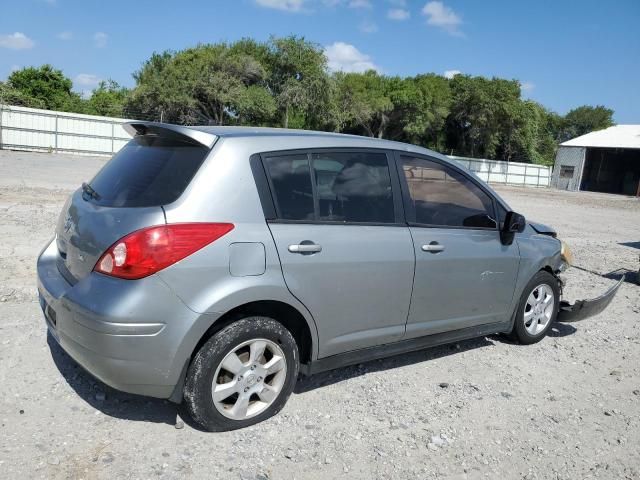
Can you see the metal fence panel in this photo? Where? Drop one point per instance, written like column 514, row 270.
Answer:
column 24, row 128
column 507, row 173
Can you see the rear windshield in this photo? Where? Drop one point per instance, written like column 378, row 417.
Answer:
column 148, row 171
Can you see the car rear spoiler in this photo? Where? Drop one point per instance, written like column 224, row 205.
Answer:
column 189, row 134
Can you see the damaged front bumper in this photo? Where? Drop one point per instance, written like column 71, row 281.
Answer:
column 587, row 308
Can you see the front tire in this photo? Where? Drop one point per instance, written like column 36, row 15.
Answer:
column 242, row 375
column 537, row 309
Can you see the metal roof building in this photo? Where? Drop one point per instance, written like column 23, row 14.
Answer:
column 602, row 161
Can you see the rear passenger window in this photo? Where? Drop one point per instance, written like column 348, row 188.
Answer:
column 353, row 187
column 332, row 187
column 442, row 196
column 291, row 181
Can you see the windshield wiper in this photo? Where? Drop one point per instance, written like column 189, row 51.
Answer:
column 88, row 189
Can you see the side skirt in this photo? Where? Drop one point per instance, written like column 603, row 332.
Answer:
column 404, row 346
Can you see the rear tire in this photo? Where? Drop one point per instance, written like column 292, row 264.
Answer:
column 242, row 375
column 537, row 309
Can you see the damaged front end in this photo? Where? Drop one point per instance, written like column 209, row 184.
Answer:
column 587, row 308
column 582, row 309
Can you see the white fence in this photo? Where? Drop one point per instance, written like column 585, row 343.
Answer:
column 507, row 173
column 44, row 130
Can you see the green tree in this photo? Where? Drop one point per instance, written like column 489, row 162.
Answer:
column 204, row 84
column 108, row 99
column 585, row 119
column 46, row 85
column 11, row 96
column 298, row 80
column 421, row 108
column 486, row 117
column 363, row 103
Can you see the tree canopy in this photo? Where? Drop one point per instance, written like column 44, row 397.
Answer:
column 285, row 82
column 586, row 119
column 45, row 85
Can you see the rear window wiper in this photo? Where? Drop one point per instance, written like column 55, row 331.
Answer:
column 88, row 189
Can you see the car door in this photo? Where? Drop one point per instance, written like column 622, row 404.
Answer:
column 344, row 250
column 464, row 275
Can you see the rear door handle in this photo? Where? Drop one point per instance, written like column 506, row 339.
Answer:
column 305, row 248
column 433, row 247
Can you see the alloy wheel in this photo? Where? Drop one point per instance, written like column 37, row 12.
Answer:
column 249, row 379
column 538, row 310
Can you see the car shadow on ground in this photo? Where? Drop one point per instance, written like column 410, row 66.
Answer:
column 323, row 379
column 630, row 276
column 111, row 402
column 319, row 380
column 561, row 330
column 557, row 330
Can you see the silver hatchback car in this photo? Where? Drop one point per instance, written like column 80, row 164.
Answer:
column 211, row 265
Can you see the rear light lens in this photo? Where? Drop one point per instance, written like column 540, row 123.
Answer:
column 147, row 251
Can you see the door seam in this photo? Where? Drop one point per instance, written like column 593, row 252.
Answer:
column 413, row 282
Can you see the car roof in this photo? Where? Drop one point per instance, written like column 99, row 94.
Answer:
column 206, row 135
column 341, row 139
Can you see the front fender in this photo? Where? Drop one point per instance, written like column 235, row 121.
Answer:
column 537, row 252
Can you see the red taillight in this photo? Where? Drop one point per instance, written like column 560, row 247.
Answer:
column 144, row 252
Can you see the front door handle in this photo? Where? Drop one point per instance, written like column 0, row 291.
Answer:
column 305, row 248
column 433, row 247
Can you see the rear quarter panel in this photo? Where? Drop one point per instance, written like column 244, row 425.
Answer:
column 224, row 190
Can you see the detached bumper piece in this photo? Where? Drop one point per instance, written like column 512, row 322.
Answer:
column 587, row 308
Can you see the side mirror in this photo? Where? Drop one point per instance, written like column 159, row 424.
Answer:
column 513, row 223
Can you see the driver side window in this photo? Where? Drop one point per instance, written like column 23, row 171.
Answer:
column 443, row 197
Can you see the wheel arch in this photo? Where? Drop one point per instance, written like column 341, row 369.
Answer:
column 284, row 313
column 302, row 328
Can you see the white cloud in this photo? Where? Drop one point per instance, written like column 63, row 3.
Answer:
column 286, row 5
column 441, row 16
column 66, row 35
column 347, row 58
column 527, row 87
column 368, row 27
column 359, row 4
column 451, row 73
column 16, row 41
column 100, row 39
column 398, row 14
column 87, row 80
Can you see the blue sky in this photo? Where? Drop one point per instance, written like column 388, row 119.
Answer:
column 565, row 53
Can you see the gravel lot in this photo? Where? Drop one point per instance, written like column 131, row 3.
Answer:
column 566, row 408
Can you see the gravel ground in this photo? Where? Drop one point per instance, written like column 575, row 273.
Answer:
column 566, row 408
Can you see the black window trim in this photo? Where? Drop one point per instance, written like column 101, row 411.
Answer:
column 406, row 196
column 263, row 187
column 270, row 204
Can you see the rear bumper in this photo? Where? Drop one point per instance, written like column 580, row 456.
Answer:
column 128, row 334
column 587, row 308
